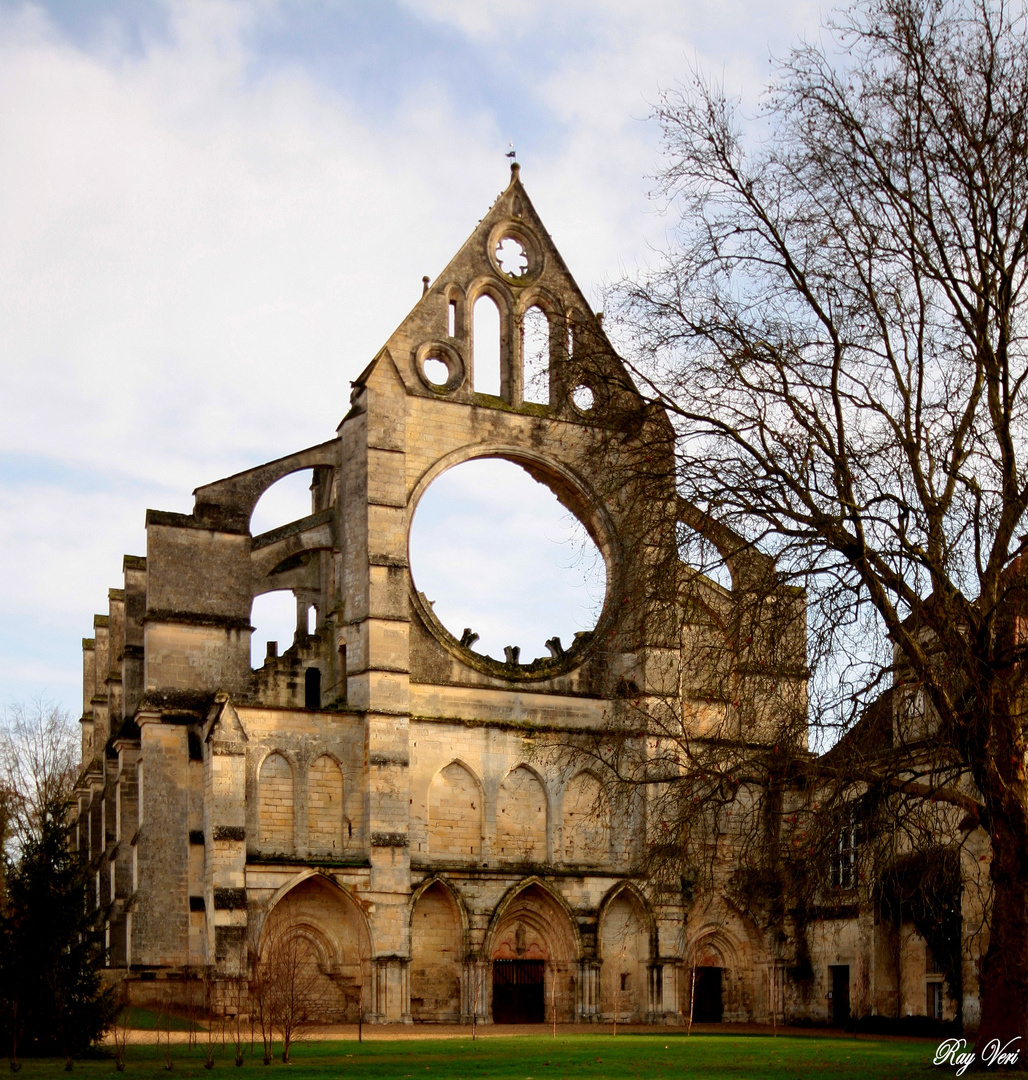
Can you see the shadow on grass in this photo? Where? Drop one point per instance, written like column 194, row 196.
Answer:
column 664, row 1054
column 148, row 1020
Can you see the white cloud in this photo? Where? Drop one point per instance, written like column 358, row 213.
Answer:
column 200, row 247
column 494, row 550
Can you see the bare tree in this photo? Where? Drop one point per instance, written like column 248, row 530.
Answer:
column 208, row 1001
column 692, row 992
column 164, row 1015
column 39, row 756
column 618, row 980
column 365, row 969
column 472, row 968
column 837, row 334
column 259, row 987
column 289, row 983
column 237, row 1041
column 120, row 1030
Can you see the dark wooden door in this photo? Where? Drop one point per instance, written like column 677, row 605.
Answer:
column 518, row 991
column 708, row 1007
column 840, row 994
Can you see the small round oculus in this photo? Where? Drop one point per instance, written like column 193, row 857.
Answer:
column 435, row 371
column 440, row 367
column 583, row 399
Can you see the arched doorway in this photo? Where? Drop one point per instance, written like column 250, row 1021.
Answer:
column 713, row 959
column 315, row 950
column 533, row 953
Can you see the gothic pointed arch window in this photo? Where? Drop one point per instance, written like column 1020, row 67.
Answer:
column 535, row 354
column 487, row 351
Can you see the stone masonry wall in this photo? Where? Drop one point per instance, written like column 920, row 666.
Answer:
column 455, row 808
column 275, row 809
column 325, row 808
column 521, row 818
column 435, row 966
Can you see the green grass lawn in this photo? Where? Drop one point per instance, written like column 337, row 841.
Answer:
column 658, row 1056
column 148, row 1020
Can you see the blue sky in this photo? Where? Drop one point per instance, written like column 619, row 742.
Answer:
column 213, row 213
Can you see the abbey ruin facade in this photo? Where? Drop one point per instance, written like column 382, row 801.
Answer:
column 400, row 802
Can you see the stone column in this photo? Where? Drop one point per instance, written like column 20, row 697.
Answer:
column 474, row 991
column 391, row 985
column 673, row 974
column 225, row 841
column 375, row 583
column 655, row 993
column 589, row 989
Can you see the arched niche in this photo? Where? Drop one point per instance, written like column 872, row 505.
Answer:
column 586, row 825
column 625, row 947
column 435, row 958
column 455, row 814
column 521, row 819
column 275, row 805
column 325, row 807
column 317, row 923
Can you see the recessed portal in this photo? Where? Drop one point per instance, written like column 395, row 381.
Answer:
column 494, row 552
column 708, row 1006
column 518, row 991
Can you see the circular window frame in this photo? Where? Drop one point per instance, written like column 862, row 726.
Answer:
column 586, row 413
column 446, row 354
column 597, row 523
column 533, row 251
column 598, row 392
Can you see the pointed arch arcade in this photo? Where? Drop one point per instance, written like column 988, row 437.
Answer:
column 533, row 948
column 437, row 931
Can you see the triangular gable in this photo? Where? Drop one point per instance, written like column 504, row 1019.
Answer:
column 440, row 326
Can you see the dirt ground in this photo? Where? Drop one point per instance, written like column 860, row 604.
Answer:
column 387, row 1032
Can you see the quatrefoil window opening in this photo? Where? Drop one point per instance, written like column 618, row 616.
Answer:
column 511, row 257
